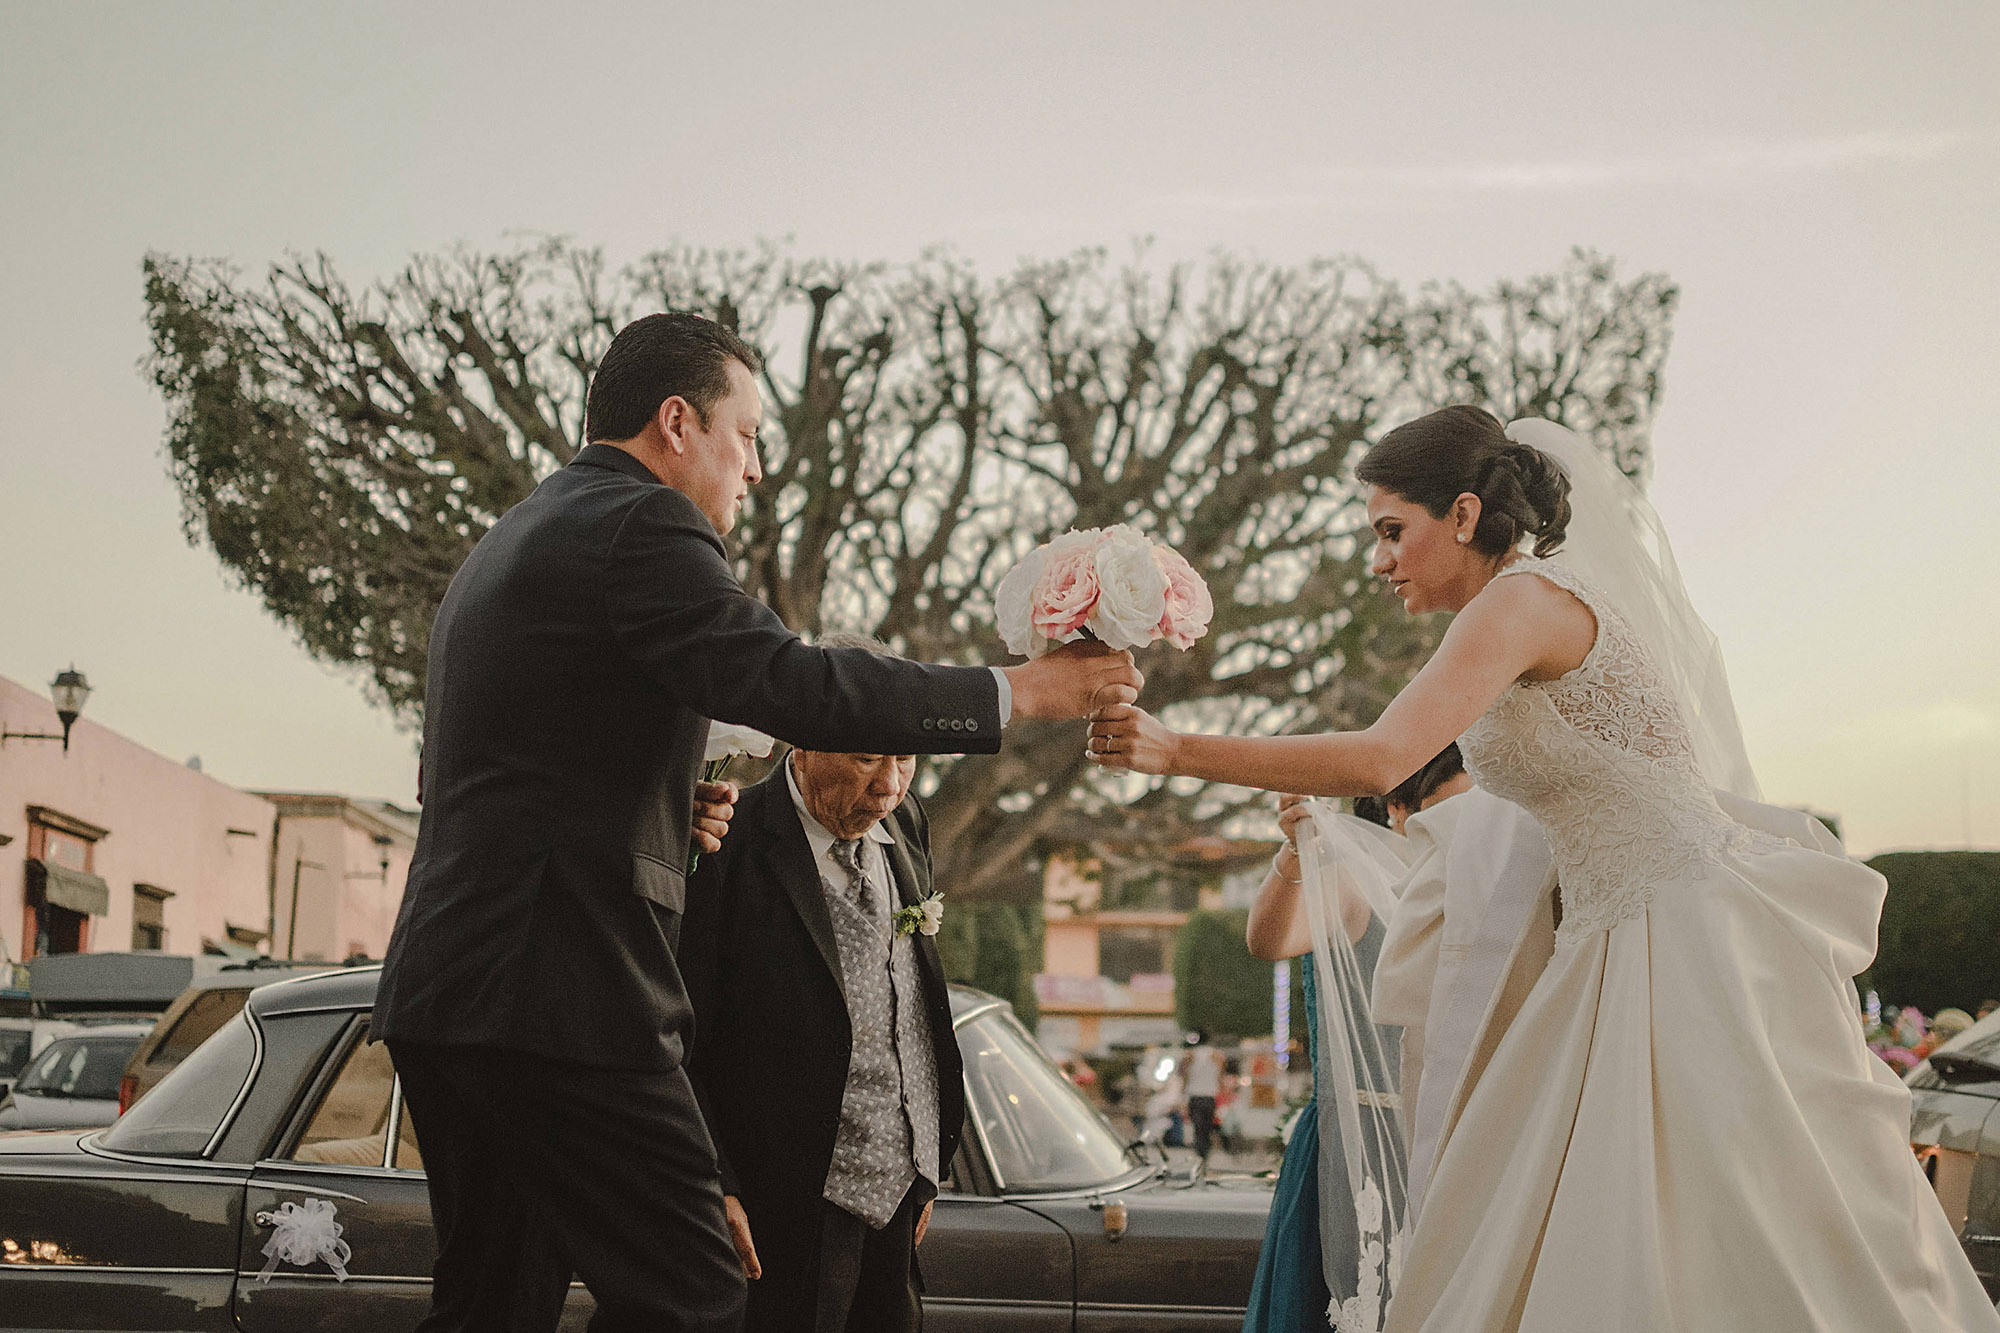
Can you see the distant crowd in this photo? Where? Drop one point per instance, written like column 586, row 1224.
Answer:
column 1904, row 1037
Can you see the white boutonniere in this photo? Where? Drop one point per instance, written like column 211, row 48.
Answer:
column 925, row 916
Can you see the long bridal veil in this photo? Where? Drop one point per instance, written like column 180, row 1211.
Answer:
column 1618, row 544
column 1356, row 1071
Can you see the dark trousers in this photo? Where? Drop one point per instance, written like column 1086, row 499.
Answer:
column 1201, row 1114
column 868, row 1281
column 538, row 1168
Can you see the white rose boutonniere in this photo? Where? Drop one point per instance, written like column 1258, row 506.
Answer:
column 925, row 916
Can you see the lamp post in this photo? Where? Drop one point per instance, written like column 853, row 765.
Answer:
column 69, row 689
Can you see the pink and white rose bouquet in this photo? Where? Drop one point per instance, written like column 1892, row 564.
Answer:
column 1116, row 584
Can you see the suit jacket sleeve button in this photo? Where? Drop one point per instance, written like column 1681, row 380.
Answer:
column 972, row 724
column 929, row 724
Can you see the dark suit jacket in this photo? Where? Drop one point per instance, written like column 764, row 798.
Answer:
column 770, row 1053
column 574, row 665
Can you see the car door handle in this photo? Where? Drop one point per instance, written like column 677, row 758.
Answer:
column 266, row 1218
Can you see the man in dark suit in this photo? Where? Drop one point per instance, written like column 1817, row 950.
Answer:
column 530, row 995
column 823, row 1052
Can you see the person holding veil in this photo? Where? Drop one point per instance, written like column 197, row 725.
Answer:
column 1310, row 1271
column 1681, row 1128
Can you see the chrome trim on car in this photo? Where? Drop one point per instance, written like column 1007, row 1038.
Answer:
column 117, row 1268
column 394, row 1129
column 242, row 1093
column 1132, row 1179
column 1003, row 1303
column 1123, row 1307
column 979, row 1130
column 89, row 1143
column 576, row 1284
column 366, row 1172
column 398, row 1278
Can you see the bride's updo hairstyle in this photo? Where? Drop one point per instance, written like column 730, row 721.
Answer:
column 1465, row 450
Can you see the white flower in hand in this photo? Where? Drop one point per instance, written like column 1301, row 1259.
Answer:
column 1131, row 590
column 1014, row 606
column 726, row 740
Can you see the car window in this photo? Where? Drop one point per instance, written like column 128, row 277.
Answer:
column 202, row 1019
column 81, row 1067
column 180, row 1115
column 1041, row 1133
column 14, row 1047
column 352, row 1121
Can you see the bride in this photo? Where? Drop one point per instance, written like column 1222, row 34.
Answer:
column 1682, row 1128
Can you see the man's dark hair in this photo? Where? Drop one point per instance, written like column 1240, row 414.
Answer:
column 1413, row 791
column 657, row 358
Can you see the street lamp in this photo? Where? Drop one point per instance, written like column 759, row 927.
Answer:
column 69, row 689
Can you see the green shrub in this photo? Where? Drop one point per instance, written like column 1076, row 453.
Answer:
column 1940, row 938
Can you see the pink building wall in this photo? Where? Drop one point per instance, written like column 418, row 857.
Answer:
column 351, row 859
column 165, row 824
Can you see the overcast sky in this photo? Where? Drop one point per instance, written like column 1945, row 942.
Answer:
column 1822, row 180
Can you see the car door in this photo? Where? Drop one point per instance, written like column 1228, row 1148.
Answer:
column 990, row 1266
column 352, row 1151
column 1160, row 1257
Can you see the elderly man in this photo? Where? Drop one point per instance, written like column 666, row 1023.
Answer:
column 823, row 1054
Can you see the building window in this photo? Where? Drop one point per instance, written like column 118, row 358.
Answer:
column 1126, row 951
column 149, row 916
column 63, row 892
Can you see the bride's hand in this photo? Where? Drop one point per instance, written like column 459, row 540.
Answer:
column 1127, row 736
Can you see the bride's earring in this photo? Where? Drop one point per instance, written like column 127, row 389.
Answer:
column 1462, row 538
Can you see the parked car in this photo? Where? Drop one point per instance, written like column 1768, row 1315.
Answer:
column 1048, row 1220
column 196, row 1014
column 73, row 1083
column 1955, row 1128
column 17, row 1047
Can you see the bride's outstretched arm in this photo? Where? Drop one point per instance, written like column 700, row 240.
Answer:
column 1514, row 627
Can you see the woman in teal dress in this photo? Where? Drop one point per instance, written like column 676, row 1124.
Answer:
column 1290, row 1292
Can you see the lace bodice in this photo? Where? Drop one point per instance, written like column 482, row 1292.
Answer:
column 1603, row 758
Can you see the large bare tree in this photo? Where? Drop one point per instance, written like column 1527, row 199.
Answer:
column 342, row 448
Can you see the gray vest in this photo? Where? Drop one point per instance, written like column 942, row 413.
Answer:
column 888, row 1132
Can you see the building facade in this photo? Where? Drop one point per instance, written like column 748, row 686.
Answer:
column 337, row 874
column 1112, row 918
column 109, row 846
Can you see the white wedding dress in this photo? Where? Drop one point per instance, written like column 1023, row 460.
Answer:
column 1682, row 1128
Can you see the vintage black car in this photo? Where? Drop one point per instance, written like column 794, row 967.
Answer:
column 1955, row 1128
column 161, row 1221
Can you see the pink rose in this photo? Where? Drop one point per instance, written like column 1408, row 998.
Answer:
column 1189, row 606
column 1067, row 588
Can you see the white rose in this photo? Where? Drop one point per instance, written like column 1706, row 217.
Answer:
column 726, row 739
column 933, row 910
column 1014, row 604
column 1131, row 590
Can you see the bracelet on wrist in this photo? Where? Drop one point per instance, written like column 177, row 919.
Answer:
column 1289, row 879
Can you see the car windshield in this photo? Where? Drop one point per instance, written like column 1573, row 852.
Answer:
column 180, row 1115
column 86, row 1067
column 14, row 1047
column 1040, row 1132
